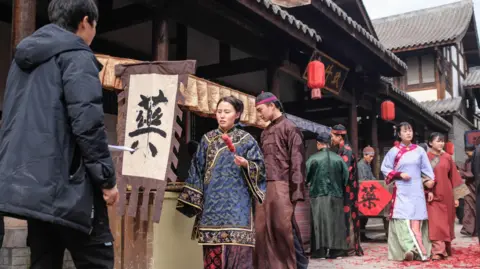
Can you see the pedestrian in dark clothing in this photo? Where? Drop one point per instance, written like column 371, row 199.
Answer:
column 2, row 231
column 476, row 176
column 55, row 167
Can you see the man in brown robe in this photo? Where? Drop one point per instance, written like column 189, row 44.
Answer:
column 469, row 210
column 278, row 244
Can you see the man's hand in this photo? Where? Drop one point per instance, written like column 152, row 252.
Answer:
column 457, row 203
column 430, row 197
column 405, row 176
column 111, row 196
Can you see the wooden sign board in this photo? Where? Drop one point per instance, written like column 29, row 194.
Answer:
column 147, row 122
column 335, row 72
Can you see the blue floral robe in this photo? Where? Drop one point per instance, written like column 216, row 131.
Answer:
column 221, row 194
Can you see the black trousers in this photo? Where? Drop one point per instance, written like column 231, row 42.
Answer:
column 459, row 210
column 302, row 259
column 48, row 243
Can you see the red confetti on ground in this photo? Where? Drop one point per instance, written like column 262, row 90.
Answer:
column 466, row 257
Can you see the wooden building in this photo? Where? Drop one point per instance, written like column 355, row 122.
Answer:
column 248, row 46
column 439, row 45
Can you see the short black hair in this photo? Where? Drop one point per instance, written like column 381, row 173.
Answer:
column 235, row 102
column 433, row 136
column 69, row 13
column 192, row 147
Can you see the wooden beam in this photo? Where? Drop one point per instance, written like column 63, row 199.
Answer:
column 278, row 21
column 336, row 112
column 23, row 21
column 218, row 27
column 231, row 68
column 124, row 17
column 312, row 106
column 224, row 52
column 113, row 49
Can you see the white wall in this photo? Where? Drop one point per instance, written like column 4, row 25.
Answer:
column 455, row 84
column 426, row 95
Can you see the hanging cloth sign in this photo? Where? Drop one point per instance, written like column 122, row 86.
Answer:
column 147, row 123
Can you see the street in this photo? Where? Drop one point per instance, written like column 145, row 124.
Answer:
column 466, row 254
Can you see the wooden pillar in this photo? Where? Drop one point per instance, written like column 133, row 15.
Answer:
column 273, row 80
column 374, row 137
column 23, row 20
column 353, row 135
column 159, row 36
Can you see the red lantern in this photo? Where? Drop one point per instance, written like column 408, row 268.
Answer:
column 449, row 148
column 316, row 78
column 388, row 110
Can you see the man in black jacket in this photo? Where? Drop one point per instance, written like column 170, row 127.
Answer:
column 55, row 167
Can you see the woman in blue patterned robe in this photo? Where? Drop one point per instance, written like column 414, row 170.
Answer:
column 222, row 189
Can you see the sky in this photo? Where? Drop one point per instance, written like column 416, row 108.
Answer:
column 383, row 8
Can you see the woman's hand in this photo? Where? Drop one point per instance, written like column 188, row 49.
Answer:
column 457, row 203
column 430, row 197
column 429, row 184
column 240, row 161
column 405, row 176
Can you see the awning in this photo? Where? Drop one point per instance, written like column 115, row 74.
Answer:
column 306, row 125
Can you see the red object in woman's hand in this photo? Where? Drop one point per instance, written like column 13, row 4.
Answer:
column 228, row 142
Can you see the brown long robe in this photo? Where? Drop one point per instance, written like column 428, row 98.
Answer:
column 469, row 217
column 441, row 211
column 282, row 145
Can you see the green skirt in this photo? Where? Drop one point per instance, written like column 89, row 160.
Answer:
column 402, row 240
column 328, row 223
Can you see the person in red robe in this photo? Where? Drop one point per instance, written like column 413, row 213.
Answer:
column 441, row 202
column 341, row 147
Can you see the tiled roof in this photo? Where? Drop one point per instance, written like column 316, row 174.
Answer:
column 277, row 10
column 360, row 30
column 414, row 102
column 473, row 79
column 340, row 13
column 445, row 106
column 425, row 27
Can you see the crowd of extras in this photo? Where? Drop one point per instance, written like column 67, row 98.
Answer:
column 243, row 192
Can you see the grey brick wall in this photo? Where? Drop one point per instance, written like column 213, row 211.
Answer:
column 456, row 136
column 19, row 258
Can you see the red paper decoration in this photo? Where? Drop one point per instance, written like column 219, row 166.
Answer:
column 449, row 148
column 316, row 78
column 388, row 110
column 372, row 198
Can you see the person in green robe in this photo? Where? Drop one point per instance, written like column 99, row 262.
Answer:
column 327, row 176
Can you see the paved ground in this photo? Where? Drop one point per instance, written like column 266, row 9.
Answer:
column 466, row 254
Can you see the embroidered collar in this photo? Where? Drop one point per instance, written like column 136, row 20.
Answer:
column 411, row 146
